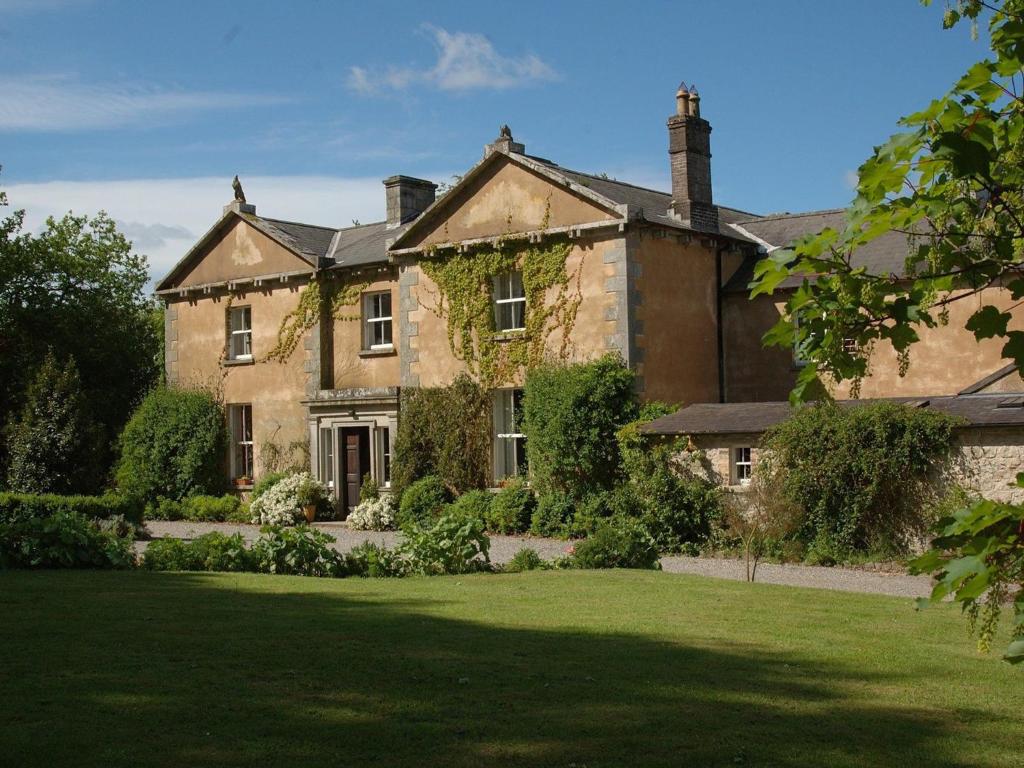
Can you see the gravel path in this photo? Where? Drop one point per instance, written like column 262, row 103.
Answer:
column 504, row 547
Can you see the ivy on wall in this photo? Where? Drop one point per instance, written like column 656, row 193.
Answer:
column 465, row 282
column 306, row 314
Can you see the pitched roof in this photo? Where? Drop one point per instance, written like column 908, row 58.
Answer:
column 989, row 380
column 982, row 410
column 885, row 254
column 361, row 245
column 308, row 240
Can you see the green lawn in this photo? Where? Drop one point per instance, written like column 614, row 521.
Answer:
column 603, row 668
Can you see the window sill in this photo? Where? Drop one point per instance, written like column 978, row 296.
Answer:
column 242, row 487
column 509, row 335
column 377, row 352
column 239, row 361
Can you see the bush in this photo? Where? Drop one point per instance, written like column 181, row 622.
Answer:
column 282, row 503
column 370, row 488
column 163, row 509
column 444, row 431
column 453, row 544
column 553, row 515
column 216, row 509
column 173, row 446
column 525, row 559
column 511, row 509
column 473, row 504
column 423, row 502
column 54, row 444
column 373, row 515
column 301, row 551
column 859, row 473
column 210, row 552
column 571, row 414
column 267, row 482
column 62, row 540
column 622, row 544
column 373, row 560
column 15, row 507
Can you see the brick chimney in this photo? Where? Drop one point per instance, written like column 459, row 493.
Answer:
column 504, row 143
column 407, row 198
column 689, row 151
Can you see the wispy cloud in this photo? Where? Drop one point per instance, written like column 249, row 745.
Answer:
column 465, row 61
column 60, row 103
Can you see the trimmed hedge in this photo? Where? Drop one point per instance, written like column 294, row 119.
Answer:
column 17, row 507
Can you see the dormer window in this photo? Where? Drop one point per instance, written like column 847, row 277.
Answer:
column 240, row 333
column 509, row 302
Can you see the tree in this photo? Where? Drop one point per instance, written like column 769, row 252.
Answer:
column 77, row 288
column 953, row 183
column 52, row 446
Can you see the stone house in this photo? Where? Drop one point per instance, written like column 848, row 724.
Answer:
column 309, row 333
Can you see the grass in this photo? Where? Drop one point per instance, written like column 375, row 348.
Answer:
column 602, row 668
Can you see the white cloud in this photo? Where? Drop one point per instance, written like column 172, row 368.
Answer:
column 465, row 61
column 850, row 179
column 164, row 217
column 60, row 103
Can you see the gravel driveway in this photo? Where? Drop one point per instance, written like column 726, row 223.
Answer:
column 504, row 547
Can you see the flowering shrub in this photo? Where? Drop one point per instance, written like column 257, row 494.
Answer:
column 281, row 504
column 373, row 515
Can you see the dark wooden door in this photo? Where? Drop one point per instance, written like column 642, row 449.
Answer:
column 355, row 463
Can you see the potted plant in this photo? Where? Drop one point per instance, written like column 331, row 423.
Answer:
column 310, row 494
column 243, row 482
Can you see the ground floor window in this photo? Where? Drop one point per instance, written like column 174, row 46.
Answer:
column 327, row 457
column 742, row 467
column 384, row 456
column 240, row 423
column 509, row 441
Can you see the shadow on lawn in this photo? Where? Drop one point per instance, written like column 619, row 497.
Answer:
column 188, row 673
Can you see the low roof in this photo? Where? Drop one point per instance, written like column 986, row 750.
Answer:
column 981, row 410
column 885, row 254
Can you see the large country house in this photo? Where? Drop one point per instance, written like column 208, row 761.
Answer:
column 310, row 332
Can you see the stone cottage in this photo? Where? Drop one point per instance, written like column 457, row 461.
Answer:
column 309, row 333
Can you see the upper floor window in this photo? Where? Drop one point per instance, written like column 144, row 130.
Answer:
column 509, row 440
column 240, row 333
column 509, row 302
column 240, row 424
column 377, row 321
column 742, row 466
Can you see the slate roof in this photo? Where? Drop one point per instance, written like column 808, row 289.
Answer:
column 883, row 255
column 361, row 245
column 981, row 410
column 309, row 240
column 989, row 380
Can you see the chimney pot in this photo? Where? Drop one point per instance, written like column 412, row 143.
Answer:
column 407, row 198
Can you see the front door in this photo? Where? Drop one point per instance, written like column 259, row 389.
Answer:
column 355, row 463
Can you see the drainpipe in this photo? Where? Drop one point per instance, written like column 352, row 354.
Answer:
column 719, row 331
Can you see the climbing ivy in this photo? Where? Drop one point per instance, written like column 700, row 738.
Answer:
column 465, row 282
column 306, row 313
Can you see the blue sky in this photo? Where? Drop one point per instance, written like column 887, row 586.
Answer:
column 148, row 109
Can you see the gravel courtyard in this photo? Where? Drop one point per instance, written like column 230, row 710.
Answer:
column 504, row 547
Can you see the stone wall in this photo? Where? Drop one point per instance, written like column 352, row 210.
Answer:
column 986, row 461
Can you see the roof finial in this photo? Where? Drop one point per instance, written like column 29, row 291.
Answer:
column 236, row 185
column 505, row 132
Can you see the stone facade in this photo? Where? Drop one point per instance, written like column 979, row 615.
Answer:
column 986, row 461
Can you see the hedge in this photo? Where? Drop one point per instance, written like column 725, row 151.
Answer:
column 18, row 507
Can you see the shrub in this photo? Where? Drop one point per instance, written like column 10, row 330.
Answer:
column 622, row 544
column 571, row 414
column 282, row 503
column 54, row 444
column 444, row 431
column 676, row 504
column 525, row 559
column 302, row 551
column 553, row 515
column 210, row 552
column 859, row 473
column 373, row 515
column 423, row 501
column 454, row 544
column 373, row 560
column 370, row 488
column 173, row 446
column 511, row 508
column 267, row 482
column 16, row 507
column 163, row 509
column 215, row 509
column 62, row 540
column 474, row 504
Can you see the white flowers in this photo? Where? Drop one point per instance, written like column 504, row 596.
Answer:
column 280, row 504
column 373, row 515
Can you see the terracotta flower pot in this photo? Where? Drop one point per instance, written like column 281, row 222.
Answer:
column 310, row 512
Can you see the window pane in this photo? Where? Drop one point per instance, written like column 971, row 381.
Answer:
column 518, row 314
column 385, row 332
column 385, row 304
column 327, row 456
column 516, row 285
